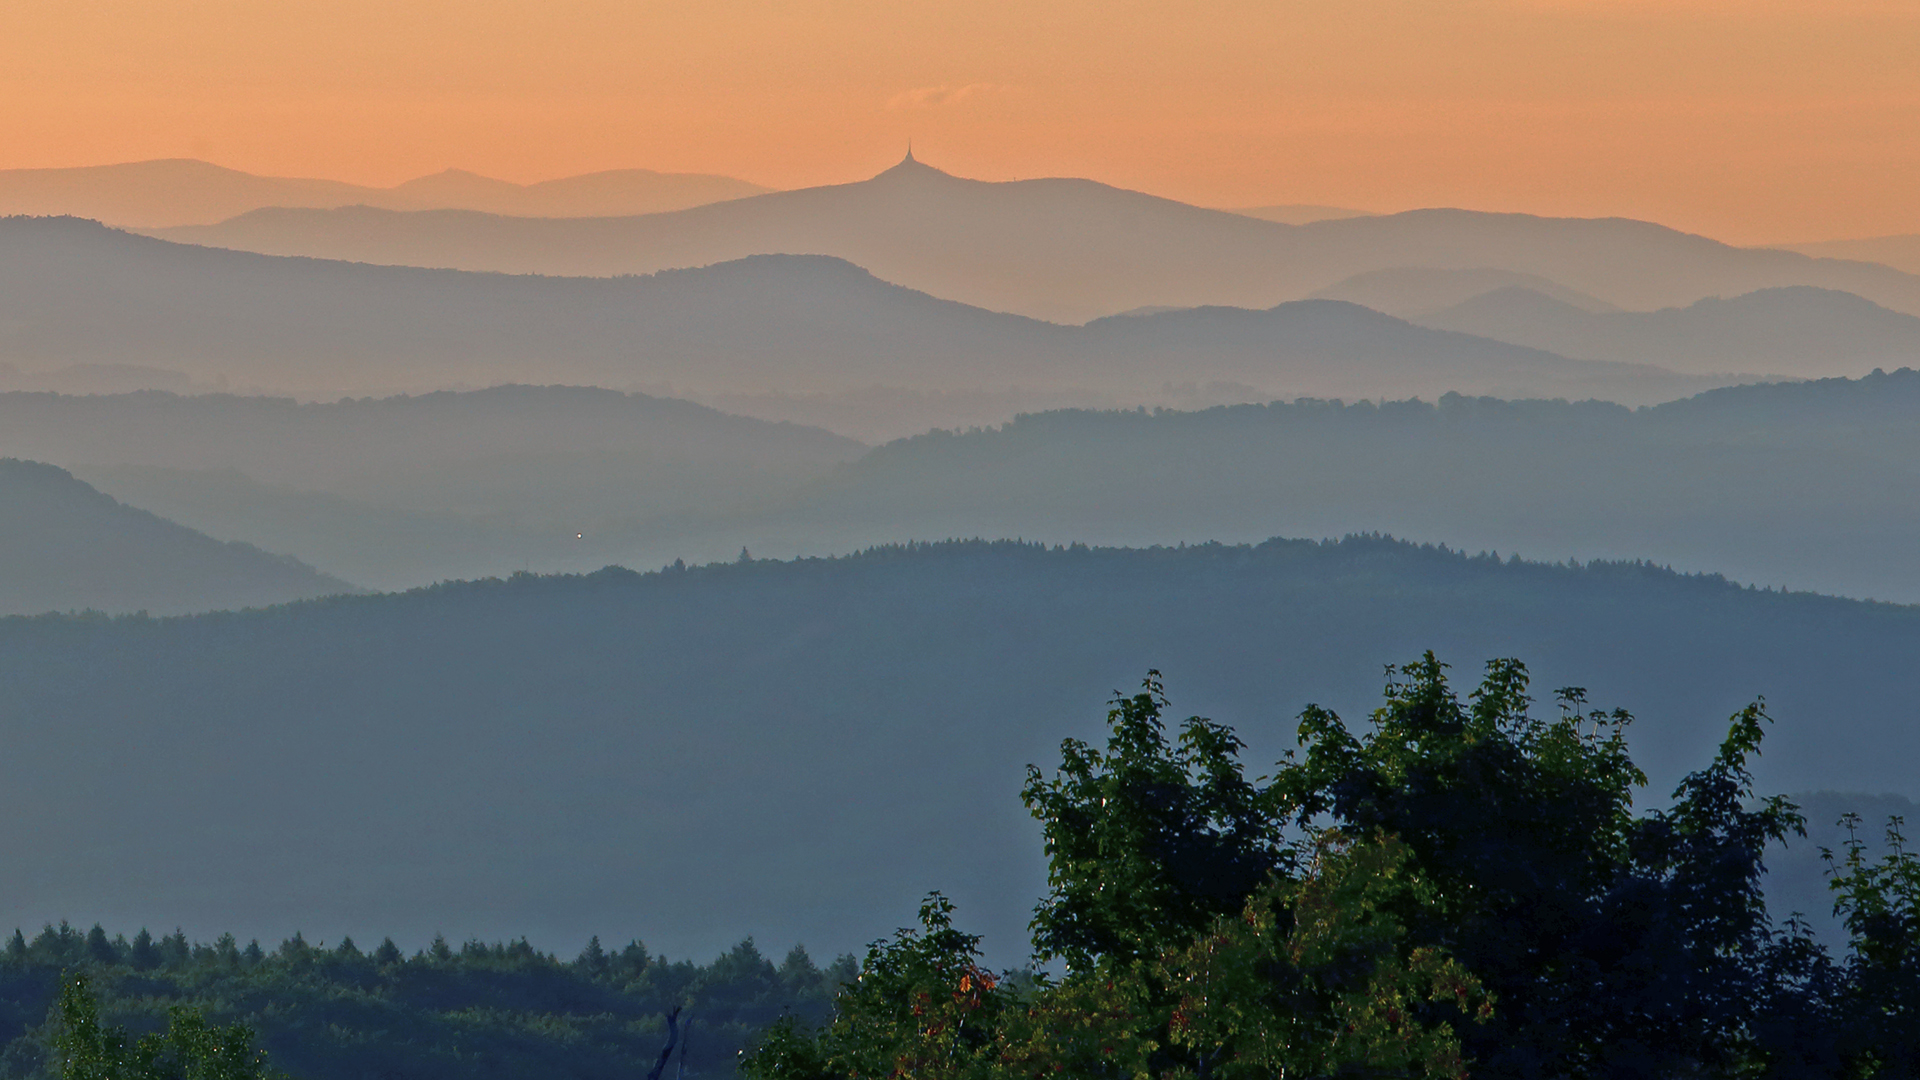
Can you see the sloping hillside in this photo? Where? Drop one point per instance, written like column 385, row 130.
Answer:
column 65, row 546
column 405, row 491
column 799, row 750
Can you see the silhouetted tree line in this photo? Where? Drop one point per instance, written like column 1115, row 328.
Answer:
column 340, row 1011
column 1457, row 889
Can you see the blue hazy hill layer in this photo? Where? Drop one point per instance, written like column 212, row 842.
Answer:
column 799, row 750
column 74, row 292
column 66, row 547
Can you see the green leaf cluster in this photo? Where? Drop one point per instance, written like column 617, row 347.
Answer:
column 1457, row 888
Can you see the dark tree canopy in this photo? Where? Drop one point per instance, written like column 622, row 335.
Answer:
column 1457, row 888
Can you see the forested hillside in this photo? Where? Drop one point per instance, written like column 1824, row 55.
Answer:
column 1809, row 485
column 799, row 750
column 66, row 547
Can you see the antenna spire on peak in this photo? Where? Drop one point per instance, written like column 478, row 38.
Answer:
column 909, row 157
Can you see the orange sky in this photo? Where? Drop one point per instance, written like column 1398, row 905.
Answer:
column 1751, row 121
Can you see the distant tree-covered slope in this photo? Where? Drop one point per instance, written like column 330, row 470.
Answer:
column 1812, row 485
column 799, row 750
column 65, row 547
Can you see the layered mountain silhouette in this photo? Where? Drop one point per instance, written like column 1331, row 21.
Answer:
column 1408, row 292
column 1806, row 331
column 66, row 547
column 801, row 750
column 1067, row 250
column 154, row 194
column 1900, row 252
column 72, row 292
column 1812, row 485
column 409, row 490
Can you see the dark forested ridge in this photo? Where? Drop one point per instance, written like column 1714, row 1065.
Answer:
column 337, row 1011
column 66, row 547
column 1812, row 485
column 798, row 750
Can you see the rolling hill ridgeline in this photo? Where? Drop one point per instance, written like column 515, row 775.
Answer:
column 176, row 192
column 75, row 292
column 1809, row 485
column 1800, row 330
column 1066, row 250
column 405, row 491
column 65, row 547
column 799, row 750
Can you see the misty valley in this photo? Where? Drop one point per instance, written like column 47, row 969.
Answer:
column 646, row 624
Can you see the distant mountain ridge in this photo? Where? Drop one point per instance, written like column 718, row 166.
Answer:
column 1815, row 485
column 1803, row 330
column 1068, row 250
column 173, row 192
column 1416, row 292
column 1809, row 484
column 73, row 292
column 66, row 547
column 1900, row 252
column 405, row 491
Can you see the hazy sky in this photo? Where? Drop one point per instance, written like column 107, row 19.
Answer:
column 1751, row 120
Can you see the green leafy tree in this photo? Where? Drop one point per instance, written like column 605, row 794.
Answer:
column 1320, row 977
column 1879, row 901
column 1149, row 840
column 1611, row 943
column 188, row 1049
column 921, row 1007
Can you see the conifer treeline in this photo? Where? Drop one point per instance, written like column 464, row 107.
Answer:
column 325, row 1011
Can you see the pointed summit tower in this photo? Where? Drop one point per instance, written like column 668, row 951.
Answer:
column 911, row 166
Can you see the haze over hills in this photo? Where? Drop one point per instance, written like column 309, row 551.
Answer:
column 406, row 491
column 74, row 292
column 1811, row 485
column 157, row 194
column 1067, row 250
column 66, row 547
column 1415, row 292
column 1900, row 252
column 1807, row 331
column 800, row 750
